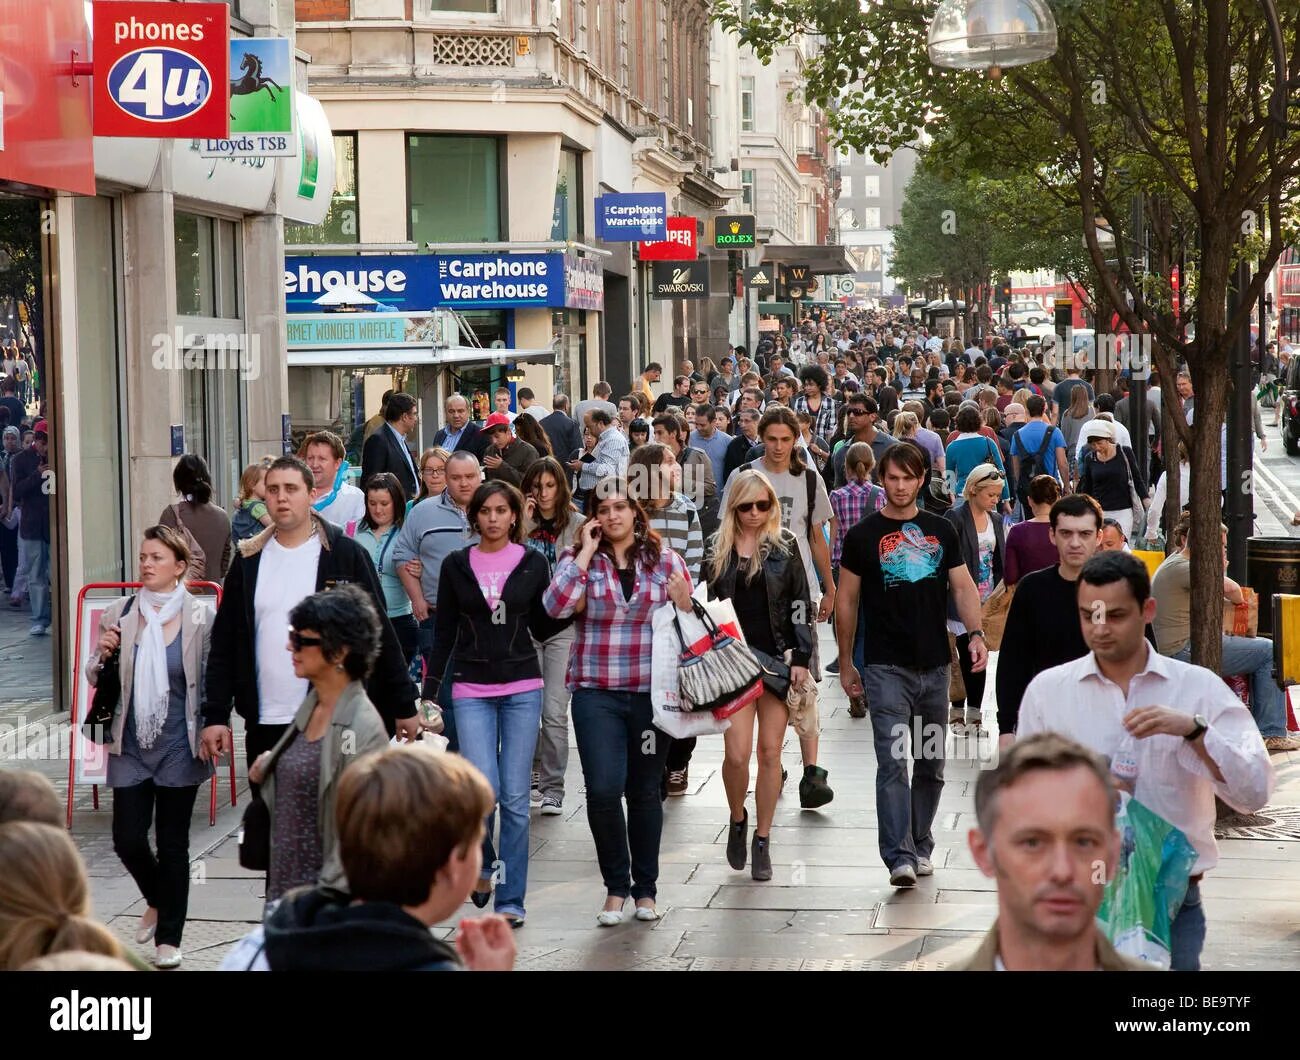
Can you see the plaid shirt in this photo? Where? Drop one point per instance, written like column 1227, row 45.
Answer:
column 851, row 504
column 824, row 421
column 612, row 649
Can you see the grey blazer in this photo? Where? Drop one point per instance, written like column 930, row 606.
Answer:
column 196, row 634
column 355, row 729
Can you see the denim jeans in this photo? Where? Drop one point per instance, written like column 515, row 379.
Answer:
column 36, row 555
column 907, row 706
column 1253, row 656
column 498, row 735
column 623, row 757
column 1187, row 933
column 552, row 757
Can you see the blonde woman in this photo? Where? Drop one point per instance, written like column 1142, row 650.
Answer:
column 755, row 563
column 433, row 474
column 983, row 547
column 45, row 898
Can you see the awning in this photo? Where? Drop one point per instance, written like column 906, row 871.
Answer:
column 828, row 260
column 783, row 309
column 393, row 358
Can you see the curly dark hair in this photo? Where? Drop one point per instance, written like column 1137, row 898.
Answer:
column 346, row 621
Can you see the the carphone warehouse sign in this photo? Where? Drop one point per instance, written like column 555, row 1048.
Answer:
column 500, row 280
column 161, row 70
column 404, row 283
column 632, row 218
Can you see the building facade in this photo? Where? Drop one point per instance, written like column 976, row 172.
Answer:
column 869, row 204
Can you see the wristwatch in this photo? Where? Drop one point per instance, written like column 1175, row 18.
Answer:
column 1201, row 726
column 976, row 633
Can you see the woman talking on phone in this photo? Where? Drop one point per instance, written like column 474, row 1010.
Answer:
column 551, row 526
column 614, row 579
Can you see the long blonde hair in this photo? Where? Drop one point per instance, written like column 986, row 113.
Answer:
column 747, row 485
column 45, row 897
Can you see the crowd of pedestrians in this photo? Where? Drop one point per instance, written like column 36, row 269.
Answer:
column 863, row 473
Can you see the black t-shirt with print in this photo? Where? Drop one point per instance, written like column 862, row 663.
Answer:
column 904, row 565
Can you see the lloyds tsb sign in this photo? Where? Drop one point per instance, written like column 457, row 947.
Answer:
column 733, row 231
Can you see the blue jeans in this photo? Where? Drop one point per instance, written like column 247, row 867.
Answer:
column 36, row 553
column 622, row 757
column 907, row 706
column 1253, row 656
column 498, row 735
column 1187, row 933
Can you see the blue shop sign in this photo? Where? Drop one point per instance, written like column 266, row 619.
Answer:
column 632, row 218
column 401, row 282
column 497, row 281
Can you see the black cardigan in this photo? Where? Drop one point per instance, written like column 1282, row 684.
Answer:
column 787, row 586
column 232, row 658
column 484, row 651
column 961, row 518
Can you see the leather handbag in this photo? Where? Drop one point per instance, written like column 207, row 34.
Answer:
column 718, row 674
column 776, row 673
column 993, row 614
column 255, row 832
column 107, row 695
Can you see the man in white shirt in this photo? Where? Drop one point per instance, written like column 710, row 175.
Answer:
column 501, row 403
column 333, row 498
column 1190, row 735
column 528, row 403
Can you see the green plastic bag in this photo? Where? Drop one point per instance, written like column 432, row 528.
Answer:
column 1149, row 885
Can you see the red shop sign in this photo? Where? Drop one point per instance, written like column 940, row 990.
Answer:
column 679, row 246
column 161, row 70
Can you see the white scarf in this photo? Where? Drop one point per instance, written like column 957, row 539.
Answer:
column 152, row 688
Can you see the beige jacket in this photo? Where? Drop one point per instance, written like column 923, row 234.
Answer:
column 1108, row 959
column 355, row 729
column 196, row 632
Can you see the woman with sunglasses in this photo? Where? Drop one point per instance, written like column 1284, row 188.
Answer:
column 489, row 612
column 614, row 580
column 983, row 547
column 377, row 533
column 334, row 636
column 755, row 563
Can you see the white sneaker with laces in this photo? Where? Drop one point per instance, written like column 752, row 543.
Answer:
column 924, row 867
column 535, row 799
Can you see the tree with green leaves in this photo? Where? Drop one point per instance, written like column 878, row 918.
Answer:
column 1157, row 102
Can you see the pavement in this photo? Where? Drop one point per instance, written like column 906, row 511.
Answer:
column 828, row 905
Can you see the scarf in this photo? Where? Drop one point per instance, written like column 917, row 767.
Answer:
column 340, row 477
column 152, row 688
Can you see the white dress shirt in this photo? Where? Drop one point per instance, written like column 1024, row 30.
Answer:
column 1075, row 700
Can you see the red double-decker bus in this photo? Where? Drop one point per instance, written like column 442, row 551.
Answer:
column 1288, row 295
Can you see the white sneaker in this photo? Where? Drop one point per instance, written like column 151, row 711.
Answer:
column 37, row 630
column 902, row 875
column 551, row 806
column 924, row 867
column 167, row 957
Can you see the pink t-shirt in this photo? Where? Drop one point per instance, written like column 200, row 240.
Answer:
column 492, row 569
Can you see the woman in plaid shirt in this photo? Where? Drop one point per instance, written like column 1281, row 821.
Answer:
column 614, row 580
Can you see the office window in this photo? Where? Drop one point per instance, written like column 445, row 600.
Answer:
column 871, row 217
column 207, row 266
column 848, row 219
column 342, row 222
column 746, row 104
column 567, row 221
column 870, row 186
column 455, row 188
column 747, row 188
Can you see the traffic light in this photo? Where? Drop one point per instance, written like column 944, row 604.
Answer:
column 1004, row 292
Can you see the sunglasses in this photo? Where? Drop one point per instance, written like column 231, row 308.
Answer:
column 297, row 641
column 749, row 506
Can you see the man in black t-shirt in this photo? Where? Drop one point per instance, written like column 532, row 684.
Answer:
column 678, row 399
column 1042, row 628
column 898, row 566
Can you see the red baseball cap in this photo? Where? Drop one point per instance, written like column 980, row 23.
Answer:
column 497, row 419
column 41, row 426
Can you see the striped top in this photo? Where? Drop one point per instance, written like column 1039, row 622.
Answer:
column 678, row 524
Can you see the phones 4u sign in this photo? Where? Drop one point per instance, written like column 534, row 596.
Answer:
column 161, row 70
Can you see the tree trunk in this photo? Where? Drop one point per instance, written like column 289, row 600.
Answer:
column 1210, row 382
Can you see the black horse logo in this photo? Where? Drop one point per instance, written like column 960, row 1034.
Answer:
column 253, row 80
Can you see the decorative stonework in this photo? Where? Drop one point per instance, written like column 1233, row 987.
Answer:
column 467, row 49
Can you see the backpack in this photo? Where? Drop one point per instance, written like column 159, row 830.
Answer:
column 1030, row 466
column 198, row 565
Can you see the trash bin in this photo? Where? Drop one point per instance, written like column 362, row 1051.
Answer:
column 1272, row 566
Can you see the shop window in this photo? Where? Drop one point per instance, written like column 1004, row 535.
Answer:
column 567, row 221
column 207, row 266
column 455, row 188
column 342, row 222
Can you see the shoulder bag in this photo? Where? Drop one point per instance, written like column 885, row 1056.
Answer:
column 107, row 695
column 198, row 565
column 714, row 677
column 255, row 832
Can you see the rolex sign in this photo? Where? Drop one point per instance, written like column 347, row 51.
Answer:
column 680, row 279
column 733, row 231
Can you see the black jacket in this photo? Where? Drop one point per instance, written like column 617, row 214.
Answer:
column 737, row 454
column 383, row 452
column 320, row 930
column 484, row 649
column 232, row 658
column 961, row 518
column 563, row 431
column 472, row 441
column 787, row 584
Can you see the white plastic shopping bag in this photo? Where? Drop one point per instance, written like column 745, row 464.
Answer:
column 665, row 700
